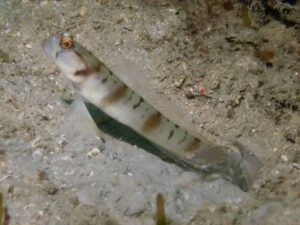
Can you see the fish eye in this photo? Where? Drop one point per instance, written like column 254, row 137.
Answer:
column 66, row 41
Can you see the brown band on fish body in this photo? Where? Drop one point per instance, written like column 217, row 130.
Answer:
column 85, row 72
column 89, row 69
column 114, row 96
column 191, row 149
column 152, row 122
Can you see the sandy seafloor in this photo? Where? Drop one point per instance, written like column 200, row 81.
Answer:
column 53, row 171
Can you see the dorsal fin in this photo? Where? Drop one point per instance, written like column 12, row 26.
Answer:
column 136, row 79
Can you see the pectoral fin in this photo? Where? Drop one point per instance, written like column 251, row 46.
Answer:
column 80, row 119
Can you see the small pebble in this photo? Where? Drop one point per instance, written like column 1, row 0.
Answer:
column 203, row 91
column 42, row 175
column 10, row 189
column 83, row 10
column 4, row 56
column 94, row 152
column 215, row 84
column 29, row 46
column 51, row 189
column 230, row 113
column 35, row 142
column 179, row 83
column 190, row 93
column 284, row 158
column 43, row 3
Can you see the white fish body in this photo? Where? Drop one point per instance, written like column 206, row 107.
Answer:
column 128, row 99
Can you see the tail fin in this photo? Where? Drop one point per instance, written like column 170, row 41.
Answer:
column 234, row 163
column 250, row 164
column 237, row 164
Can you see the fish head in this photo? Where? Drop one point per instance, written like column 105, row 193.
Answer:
column 70, row 57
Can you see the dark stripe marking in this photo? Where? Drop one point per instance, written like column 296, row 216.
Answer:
column 104, row 80
column 152, row 122
column 98, row 67
column 171, row 134
column 130, row 97
column 138, row 104
column 183, row 139
column 114, row 96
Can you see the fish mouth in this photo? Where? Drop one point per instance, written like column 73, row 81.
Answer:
column 51, row 46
